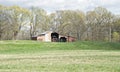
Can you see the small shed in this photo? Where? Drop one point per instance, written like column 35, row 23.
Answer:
column 34, row 38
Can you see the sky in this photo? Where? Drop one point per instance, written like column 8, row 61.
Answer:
column 53, row 5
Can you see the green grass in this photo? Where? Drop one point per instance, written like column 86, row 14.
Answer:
column 83, row 56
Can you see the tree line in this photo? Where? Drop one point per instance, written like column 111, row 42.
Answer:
column 23, row 23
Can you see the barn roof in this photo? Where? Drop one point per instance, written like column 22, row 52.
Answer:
column 42, row 34
column 46, row 32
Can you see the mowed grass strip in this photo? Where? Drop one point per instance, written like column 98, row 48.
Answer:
column 62, row 61
column 33, row 56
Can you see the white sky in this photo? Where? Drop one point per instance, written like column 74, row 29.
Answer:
column 52, row 5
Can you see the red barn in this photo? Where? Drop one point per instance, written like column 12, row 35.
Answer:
column 50, row 36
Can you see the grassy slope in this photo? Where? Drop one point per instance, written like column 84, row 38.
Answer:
column 33, row 56
column 34, row 46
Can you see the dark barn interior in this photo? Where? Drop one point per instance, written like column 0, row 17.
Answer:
column 54, row 37
column 63, row 39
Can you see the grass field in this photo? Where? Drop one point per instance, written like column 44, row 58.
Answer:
column 33, row 56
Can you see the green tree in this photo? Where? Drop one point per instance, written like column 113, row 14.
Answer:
column 115, row 36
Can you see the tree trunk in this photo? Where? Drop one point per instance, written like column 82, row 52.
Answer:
column 110, row 34
column 15, row 35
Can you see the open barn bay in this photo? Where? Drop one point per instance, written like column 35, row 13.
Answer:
column 33, row 56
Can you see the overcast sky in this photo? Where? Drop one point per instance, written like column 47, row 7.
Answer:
column 52, row 5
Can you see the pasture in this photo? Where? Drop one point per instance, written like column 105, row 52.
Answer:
column 83, row 56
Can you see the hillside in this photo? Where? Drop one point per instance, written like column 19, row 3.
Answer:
column 34, row 46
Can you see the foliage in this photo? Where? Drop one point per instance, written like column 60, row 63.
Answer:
column 22, row 23
column 116, row 36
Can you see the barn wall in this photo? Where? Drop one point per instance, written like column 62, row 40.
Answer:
column 71, row 39
column 41, row 38
column 48, row 37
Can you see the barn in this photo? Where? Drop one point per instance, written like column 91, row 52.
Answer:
column 51, row 36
